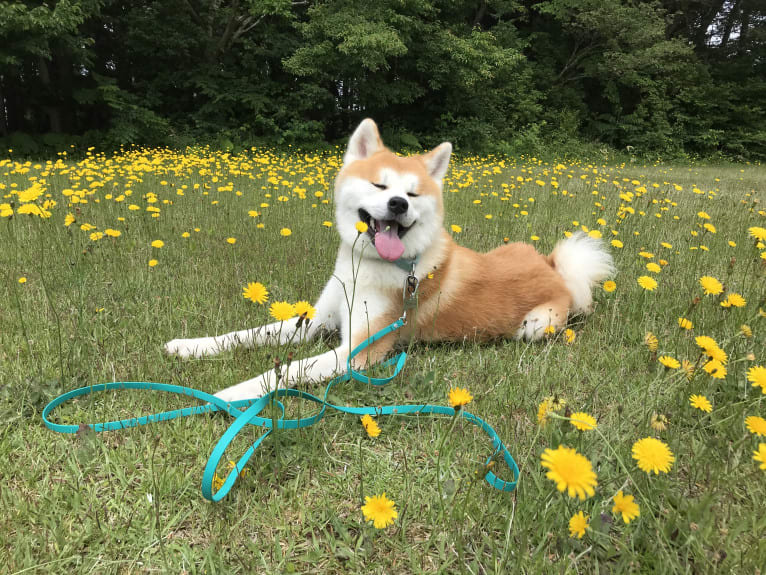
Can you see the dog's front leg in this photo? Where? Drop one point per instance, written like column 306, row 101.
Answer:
column 325, row 317
column 310, row 370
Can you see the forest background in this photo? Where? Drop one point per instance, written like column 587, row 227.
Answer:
column 660, row 79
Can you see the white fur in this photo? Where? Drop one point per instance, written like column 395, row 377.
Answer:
column 582, row 261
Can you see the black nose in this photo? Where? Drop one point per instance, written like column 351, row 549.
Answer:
column 397, row 205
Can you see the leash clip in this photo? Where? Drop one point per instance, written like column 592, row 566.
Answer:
column 409, row 293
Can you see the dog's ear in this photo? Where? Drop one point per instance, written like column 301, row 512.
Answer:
column 364, row 142
column 437, row 161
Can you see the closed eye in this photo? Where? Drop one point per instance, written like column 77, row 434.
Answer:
column 412, row 194
column 380, row 186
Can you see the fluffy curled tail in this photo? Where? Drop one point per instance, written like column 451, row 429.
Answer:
column 583, row 262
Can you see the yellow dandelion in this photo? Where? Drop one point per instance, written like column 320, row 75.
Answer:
column 455, row 228
column 380, row 510
column 69, row 220
column 361, row 227
column 582, row 421
column 542, row 412
column 256, row 292
column 684, row 323
column 734, row 300
column 659, row 421
column 458, row 397
column 569, row 335
column 570, row 471
column 756, row 375
column 756, row 425
column 648, row 283
column 158, row 244
column 231, row 241
column 22, row 280
column 653, row 267
column 578, row 524
column 715, row 368
column 285, row 232
column 703, row 215
column 700, row 402
column 282, row 310
column 759, row 455
column 609, row 286
column 711, row 349
column 305, row 309
column 710, row 285
column 370, row 425
column 669, row 362
column 153, row 263
column 626, row 506
column 746, row 331
column 617, row 244
column 653, row 455
column 757, row 233
column 651, row 341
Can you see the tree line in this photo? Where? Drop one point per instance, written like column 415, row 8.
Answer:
column 657, row 77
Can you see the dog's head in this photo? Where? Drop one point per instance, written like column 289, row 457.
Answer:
column 400, row 199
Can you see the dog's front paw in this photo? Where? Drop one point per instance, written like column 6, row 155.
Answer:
column 197, row 347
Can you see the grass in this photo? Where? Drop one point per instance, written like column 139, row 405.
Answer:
column 93, row 311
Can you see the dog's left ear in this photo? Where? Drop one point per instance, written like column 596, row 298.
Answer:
column 437, row 161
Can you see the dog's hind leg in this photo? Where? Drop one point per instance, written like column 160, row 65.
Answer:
column 552, row 314
column 296, row 329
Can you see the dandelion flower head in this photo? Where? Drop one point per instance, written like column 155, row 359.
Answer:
column 582, row 421
column 256, row 292
column 578, row 524
column 458, row 397
column 570, row 471
column 380, row 510
column 700, row 402
column 653, row 455
column 756, row 425
column 626, row 506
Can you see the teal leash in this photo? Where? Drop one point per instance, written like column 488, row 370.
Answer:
column 248, row 412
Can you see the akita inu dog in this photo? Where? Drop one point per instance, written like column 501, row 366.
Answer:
column 512, row 291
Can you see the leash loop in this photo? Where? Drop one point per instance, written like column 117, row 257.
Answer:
column 248, row 412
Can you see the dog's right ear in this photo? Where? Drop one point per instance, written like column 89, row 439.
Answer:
column 364, row 142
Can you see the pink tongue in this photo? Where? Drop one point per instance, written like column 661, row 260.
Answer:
column 388, row 244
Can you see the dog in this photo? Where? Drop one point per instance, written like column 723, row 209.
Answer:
column 512, row 291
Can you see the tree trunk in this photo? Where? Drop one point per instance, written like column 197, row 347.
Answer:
column 49, row 106
column 3, row 121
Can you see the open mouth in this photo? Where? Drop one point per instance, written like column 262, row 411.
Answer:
column 386, row 235
column 375, row 226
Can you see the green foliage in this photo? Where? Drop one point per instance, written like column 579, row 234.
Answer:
column 657, row 77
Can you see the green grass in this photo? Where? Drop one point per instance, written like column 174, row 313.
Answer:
column 94, row 311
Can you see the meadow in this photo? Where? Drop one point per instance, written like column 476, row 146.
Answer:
column 660, row 391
